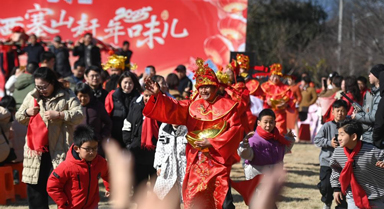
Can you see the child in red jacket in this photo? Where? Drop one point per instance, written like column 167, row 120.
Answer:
column 74, row 183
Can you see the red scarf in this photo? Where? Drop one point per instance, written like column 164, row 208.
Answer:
column 37, row 133
column 275, row 135
column 348, row 178
column 149, row 129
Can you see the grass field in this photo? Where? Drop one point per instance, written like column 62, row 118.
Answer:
column 300, row 191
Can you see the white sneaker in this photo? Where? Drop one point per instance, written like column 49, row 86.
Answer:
column 327, row 206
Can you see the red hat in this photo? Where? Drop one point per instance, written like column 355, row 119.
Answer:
column 204, row 75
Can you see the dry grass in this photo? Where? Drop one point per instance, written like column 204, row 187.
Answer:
column 300, row 191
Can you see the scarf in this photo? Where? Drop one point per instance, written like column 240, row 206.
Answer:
column 348, row 178
column 149, row 129
column 275, row 135
column 37, row 133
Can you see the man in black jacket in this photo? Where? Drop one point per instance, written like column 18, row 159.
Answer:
column 87, row 52
column 34, row 49
column 62, row 66
column 125, row 51
column 185, row 84
column 93, row 79
column 378, row 130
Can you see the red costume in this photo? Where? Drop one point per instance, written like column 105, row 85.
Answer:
column 206, row 181
column 280, row 97
column 238, row 92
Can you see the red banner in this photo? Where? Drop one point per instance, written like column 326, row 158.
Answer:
column 162, row 33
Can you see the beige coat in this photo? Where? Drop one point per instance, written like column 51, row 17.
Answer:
column 5, row 125
column 59, row 131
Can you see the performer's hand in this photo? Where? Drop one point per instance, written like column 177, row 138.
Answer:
column 152, row 86
column 203, row 143
column 282, row 105
column 338, row 196
column 158, row 172
column 380, row 164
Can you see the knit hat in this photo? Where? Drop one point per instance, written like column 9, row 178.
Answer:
column 377, row 69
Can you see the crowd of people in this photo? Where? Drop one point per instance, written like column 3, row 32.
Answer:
column 183, row 136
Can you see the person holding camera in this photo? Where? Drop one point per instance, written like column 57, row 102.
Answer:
column 371, row 102
column 326, row 138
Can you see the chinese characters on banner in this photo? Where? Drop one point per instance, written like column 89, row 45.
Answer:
column 162, row 33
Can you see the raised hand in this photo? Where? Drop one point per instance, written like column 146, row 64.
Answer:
column 152, row 86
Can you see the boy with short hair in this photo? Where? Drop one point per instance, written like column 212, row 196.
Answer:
column 95, row 114
column 265, row 147
column 74, row 183
column 356, row 169
column 326, row 139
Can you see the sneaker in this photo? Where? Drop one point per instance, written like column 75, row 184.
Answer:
column 327, row 206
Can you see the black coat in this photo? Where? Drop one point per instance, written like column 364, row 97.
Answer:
column 97, row 117
column 34, row 52
column 132, row 138
column 100, row 94
column 90, row 54
column 121, row 104
column 127, row 54
column 378, row 130
column 62, row 65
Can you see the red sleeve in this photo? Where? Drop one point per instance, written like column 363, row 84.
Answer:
column 55, row 186
column 227, row 143
column 167, row 110
column 109, row 102
column 105, row 174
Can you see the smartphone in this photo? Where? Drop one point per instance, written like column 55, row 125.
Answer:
column 147, row 70
column 336, row 140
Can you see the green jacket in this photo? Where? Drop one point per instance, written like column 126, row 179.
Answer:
column 24, row 84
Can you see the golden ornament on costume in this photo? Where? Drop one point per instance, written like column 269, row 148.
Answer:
column 243, row 61
column 276, row 69
column 278, row 102
column 208, row 133
column 204, row 75
column 116, row 62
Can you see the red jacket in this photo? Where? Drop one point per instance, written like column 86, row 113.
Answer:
column 74, row 183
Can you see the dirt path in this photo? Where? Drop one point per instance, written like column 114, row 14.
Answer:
column 300, row 191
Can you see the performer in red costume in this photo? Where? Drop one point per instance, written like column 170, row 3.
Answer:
column 214, row 134
column 237, row 91
column 278, row 97
column 252, row 84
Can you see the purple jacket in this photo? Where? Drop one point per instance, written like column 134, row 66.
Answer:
column 265, row 152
